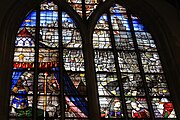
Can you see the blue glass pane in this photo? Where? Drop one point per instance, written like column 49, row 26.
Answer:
column 49, row 18
column 30, row 20
column 138, row 26
column 67, row 22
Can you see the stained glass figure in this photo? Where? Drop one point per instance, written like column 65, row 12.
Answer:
column 110, row 107
column 48, row 89
column 20, row 91
column 21, row 94
column 163, row 108
column 137, row 108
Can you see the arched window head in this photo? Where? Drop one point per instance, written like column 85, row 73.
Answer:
column 84, row 7
column 48, row 67
column 49, row 74
column 130, row 78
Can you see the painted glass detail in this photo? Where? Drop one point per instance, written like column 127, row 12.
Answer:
column 128, row 69
column 37, row 58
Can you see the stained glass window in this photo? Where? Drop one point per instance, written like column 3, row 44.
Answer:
column 45, row 35
column 129, row 74
column 49, row 77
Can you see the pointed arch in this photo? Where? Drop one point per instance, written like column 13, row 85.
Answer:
column 124, row 48
column 162, row 33
column 48, row 78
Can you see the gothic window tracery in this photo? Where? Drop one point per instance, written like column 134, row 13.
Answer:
column 49, row 70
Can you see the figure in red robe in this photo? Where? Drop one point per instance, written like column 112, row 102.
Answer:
column 139, row 111
column 168, row 108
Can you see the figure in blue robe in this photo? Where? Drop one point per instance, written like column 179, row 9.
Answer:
column 20, row 92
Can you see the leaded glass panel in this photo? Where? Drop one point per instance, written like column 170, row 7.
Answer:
column 108, row 84
column 123, row 40
column 151, row 62
column 145, row 41
column 49, row 66
column 104, row 61
column 36, row 58
column 128, row 62
column 130, row 67
column 73, row 60
column 133, row 85
column 157, row 85
column 76, row 5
